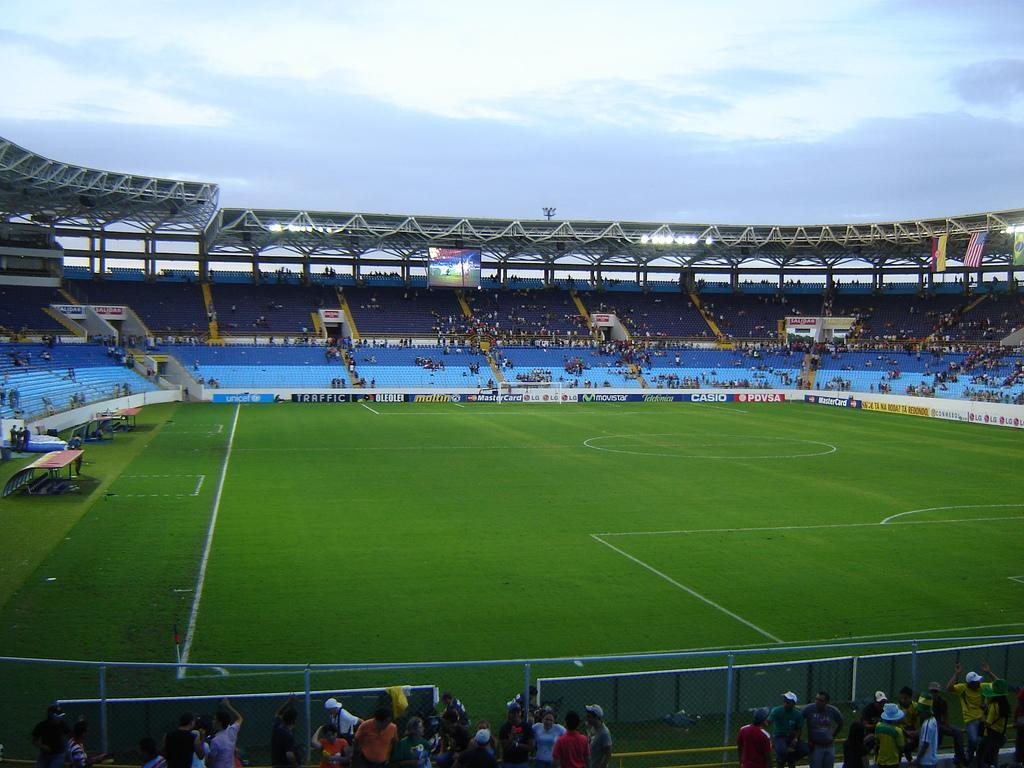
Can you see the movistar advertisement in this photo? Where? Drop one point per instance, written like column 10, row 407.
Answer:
column 453, row 267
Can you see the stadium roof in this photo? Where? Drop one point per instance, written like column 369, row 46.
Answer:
column 593, row 244
column 35, row 188
column 80, row 201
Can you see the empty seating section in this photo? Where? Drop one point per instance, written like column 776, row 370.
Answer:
column 21, row 307
column 897, row 317
column 740, row 316
column 262, row 365
column 422, row 367
column 248, row 309
column 401, row 312
column 695, row 368
column 528, row 313
column 565, row 366
column 652, row 315
column 73, row 370
column 163, row 307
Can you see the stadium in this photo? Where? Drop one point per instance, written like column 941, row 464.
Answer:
column 255, row 452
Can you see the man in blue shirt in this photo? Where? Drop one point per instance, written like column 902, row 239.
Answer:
column 823, row 725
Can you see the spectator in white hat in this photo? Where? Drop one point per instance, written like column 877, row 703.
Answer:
column 342, row 719
column 971, row 701
column 787, row 723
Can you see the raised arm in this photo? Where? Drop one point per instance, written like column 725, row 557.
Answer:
column 226, row 703
column 956, row 673
column 280, row 710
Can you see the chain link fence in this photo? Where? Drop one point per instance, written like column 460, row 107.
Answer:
column 664, row 710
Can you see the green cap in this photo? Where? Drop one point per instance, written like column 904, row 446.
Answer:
column 995, row 688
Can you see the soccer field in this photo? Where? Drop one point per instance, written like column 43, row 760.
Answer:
column 416, row 532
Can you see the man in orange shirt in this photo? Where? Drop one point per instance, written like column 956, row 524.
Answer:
column 375, row 740
column 335, row 749
column 572, row 749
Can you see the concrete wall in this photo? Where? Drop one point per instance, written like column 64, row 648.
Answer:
column 68, row 419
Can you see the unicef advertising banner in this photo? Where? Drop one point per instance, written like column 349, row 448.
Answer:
column 245, row 397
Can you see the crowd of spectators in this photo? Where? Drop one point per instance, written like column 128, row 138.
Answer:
column 883, row 733
column 887, row 733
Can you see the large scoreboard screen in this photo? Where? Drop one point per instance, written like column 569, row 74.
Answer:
column 453, row 267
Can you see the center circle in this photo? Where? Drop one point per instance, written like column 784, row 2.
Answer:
column 709, row 446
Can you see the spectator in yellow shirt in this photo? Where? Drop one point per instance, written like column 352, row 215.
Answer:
column 889, row 737
column 971, row 702
column 997, row 720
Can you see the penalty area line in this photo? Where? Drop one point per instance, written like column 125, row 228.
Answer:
column 370, row 409
column 201, row 576
column 688, row 590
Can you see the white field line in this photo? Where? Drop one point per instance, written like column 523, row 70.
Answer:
column 824, row 640
column 1016, row 578
column 151, row 495
column 364, row 449
column 955, row 506
column 688, row 590
column 370, row 409
column 811, row 527
column 199, row 484
column 190, row 474
column 201, row 576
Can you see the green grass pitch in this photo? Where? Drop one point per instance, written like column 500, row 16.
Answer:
column 423, row 532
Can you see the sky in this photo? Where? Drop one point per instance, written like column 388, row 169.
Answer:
column 726, row 112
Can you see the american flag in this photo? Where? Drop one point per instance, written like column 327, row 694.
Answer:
column 974, row 249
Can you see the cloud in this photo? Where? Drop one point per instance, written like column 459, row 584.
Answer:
column 789, row 70
column 41, row 87
column 990, row 83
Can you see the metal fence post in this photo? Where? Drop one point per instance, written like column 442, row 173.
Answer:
column 103, row 708
column 913, row 665
column 728, row 708
column 526, row 691
column 309, row 718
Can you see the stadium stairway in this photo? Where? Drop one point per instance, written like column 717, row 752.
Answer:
column 639, row 374
column 211, row 313
column 807, row 372
column 68, row 323
column 343, row 303
column 67, row 296
column 494, row 367
column 586, row 315
column 466, row 311
column 346, row 355
column 695, row 298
